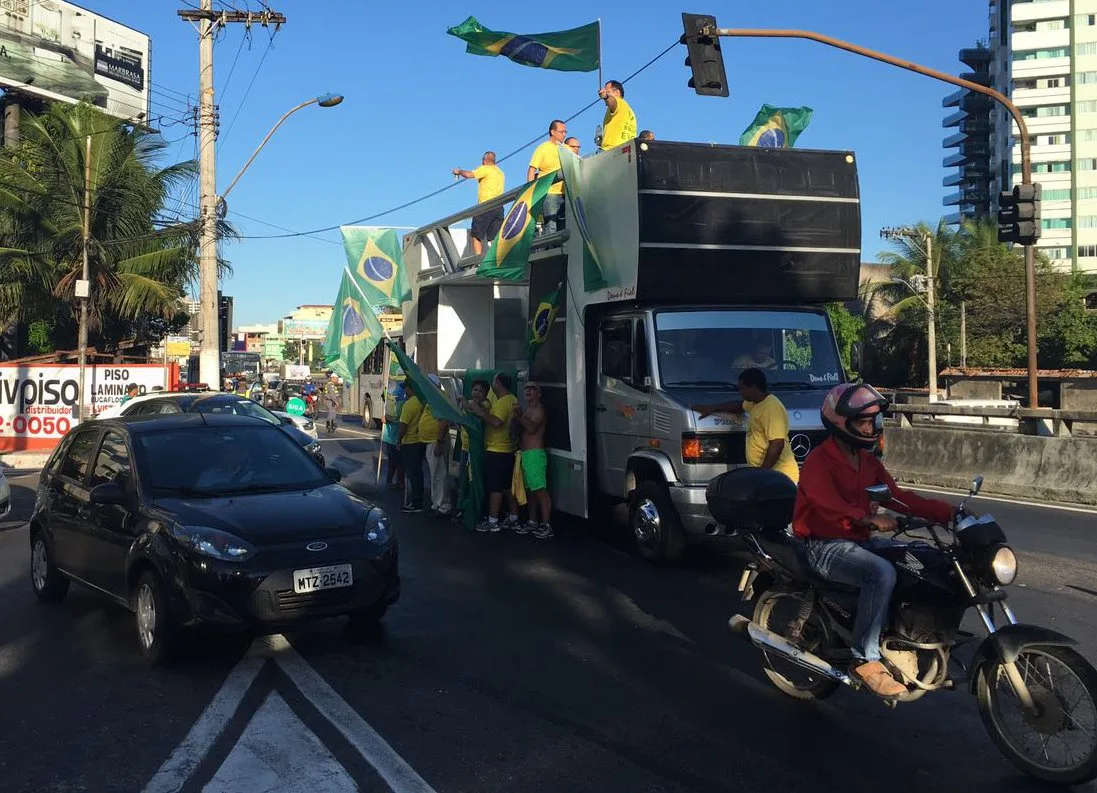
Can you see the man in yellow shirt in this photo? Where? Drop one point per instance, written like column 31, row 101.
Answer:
column 545, row 160
column 410, row 447
column 490, row 182
column 767, row 428
column 619, row 123
column 499, row 448
column 434, row 435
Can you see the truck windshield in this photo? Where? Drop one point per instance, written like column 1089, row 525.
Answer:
column 709, row 348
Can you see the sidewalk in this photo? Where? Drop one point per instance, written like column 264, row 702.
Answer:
column 22, row 462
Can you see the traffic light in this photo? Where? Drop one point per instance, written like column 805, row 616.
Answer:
column 1007, row 217
column 705, row 59
column 1026, row 208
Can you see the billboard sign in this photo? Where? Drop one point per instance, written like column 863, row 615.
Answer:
column 56, row 50
column 37, row 403
column 305, row 328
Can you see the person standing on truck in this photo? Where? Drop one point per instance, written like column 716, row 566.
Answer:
column 410, row 447
column 767, row 425
column 499, row 448
column 535, row 464
column 647, row 134
column 490, row 182
column 545, row 160
column 619, row 123
column 573, row 144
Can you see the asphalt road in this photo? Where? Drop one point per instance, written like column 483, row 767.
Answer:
column 509, row 664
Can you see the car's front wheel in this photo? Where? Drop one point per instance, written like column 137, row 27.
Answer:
column 50, row 584
column 156, row 633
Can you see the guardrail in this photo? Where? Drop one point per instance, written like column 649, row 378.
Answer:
column 1044, row 422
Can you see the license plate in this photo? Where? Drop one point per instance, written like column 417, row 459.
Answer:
column 313, row 579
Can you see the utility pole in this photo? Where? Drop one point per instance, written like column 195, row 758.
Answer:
column 208, row 20
column 931, row 305
column 83, row 286
column 963, row 334
column 11, row 120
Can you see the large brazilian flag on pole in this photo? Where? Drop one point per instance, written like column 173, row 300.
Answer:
column 377, row 264
column 776, row 127
column 575, row 50
column 508, row 255
column 353, row 331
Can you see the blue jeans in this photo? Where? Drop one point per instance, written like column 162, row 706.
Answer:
column 553, row 212
column 854, row 564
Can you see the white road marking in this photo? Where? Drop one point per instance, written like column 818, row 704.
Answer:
column 1004, row 499
column 258, row 765
column 186, row 757
column 371, row 434
column 277, row 752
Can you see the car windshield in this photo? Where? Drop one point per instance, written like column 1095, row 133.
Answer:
column 293, row 389
column 703, row 349
column 235, row 406
column 210, row 461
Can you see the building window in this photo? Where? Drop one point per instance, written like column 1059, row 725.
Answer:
column 1084, row 193
column 1054, row 82
column 1087, row 222
column 1088, row 106
column 1045, row 111
column 1085, row 20
column 1056, row 253
column 1087, row 78
column 1044, row 167
column 1062, row 194
column 1086, row 48
column 1053, row 24
column 1087, row 251
column 1087, row 164
column 1039, row 55
column 1055, row 223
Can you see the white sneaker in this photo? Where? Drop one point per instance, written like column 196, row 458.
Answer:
column 543, row 531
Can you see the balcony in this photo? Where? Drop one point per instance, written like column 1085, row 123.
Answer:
column 952, row 160
column 976, row 56
column 954, row 119
column 952, row 141
column 982, row 78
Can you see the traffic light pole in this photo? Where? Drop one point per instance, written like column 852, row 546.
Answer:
column 1026, row 162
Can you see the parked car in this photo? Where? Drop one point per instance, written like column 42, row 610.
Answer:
column 208, row 521
column 216, row 402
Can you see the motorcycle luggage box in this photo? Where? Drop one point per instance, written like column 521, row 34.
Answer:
column 752, row 499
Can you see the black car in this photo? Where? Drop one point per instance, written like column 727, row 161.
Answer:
column 216, row 402
column 211, row 521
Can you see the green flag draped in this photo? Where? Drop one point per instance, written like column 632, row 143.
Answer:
column 575, row 50
column 571, row 168
column 776, row 127
column 543, row 318
column 353, row 332
column 377, row 263
column 508, row 255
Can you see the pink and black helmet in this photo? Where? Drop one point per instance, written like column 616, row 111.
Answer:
column 854, row 401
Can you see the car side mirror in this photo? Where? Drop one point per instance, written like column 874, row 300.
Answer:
column 287, row 421
column 109, row 494
column 878, row 494
column 335, row 474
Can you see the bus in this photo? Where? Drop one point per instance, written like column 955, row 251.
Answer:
column 370, row 398
column 237, row 363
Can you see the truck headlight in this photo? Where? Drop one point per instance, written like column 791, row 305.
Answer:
column 377, row 527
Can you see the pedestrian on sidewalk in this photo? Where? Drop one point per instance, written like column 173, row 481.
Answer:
column 390, row 434
column 534, row 461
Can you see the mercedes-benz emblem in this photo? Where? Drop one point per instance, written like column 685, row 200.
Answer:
column 316, row 546
column 801, row 445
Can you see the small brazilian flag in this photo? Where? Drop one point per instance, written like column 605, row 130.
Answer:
column 575, row 50
column 377, row 264
column 353, row 331
column 508, row 255
column 776, row 127
column 543, row 319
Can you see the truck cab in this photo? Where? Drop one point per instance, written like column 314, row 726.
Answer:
column 682, row 265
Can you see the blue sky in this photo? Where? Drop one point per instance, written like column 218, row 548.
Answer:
column 417, row 106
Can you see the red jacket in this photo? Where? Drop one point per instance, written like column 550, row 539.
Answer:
column 832, row 495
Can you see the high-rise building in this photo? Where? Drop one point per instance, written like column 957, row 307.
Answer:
column 1043, row 55
column 971, row 125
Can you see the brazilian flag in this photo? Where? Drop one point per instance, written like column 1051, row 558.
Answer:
column 575, row 50
column 543, row 318
column 377, row 263
column 776, row 127
column 508, row 255
column 353, row 332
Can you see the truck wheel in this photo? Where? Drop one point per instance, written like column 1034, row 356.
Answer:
column 368, row 422
column 656, row 528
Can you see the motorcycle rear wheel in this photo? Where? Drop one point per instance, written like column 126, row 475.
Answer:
column 1064, row 687
column 775, row 610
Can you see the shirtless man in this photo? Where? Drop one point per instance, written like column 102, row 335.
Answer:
column 535, row 463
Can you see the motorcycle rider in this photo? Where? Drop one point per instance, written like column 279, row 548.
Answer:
column 834, row 517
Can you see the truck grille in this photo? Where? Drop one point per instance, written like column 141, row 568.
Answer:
column 660, row 420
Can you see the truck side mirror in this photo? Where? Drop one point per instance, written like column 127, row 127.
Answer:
column 856, row 356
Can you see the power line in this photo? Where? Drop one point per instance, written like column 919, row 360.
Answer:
column 247, row 91
column 432, row 194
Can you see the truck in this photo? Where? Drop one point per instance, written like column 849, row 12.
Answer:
column 680, row 265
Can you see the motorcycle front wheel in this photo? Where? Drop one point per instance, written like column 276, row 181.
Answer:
column 775, row 611
column 1058, row 742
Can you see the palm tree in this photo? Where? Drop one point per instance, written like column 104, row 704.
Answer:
column 138, row 269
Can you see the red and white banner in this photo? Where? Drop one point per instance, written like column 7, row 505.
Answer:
column 38, row 403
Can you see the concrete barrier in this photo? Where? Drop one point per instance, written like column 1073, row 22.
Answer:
column 1026, row 466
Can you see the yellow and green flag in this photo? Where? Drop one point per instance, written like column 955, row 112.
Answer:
column 571, row 169
column 776, row 127
column 353, row 331
column 575, row 50
column 377, row 263
column 508, row 255
column 543, row 319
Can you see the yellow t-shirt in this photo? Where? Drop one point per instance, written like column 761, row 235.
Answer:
column 497, row 439
column 618, row 127
column 465, row 432
column 428, row 426
column 546, row 159
column 410, row 415
column 490, row 182
column 769, row 422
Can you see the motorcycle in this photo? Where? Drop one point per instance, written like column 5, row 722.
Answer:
column 1036, row 695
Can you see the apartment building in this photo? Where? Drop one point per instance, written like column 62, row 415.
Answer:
column 1043, row 54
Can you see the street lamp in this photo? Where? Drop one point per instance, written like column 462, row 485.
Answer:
column 213, row 206
column 906, row 232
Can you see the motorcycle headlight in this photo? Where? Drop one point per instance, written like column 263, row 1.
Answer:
column 214, row 543
column 999, row 564
column 377, row 527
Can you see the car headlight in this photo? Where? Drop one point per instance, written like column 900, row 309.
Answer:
column 313, row 448
column 377, row 527
column 214, row 543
